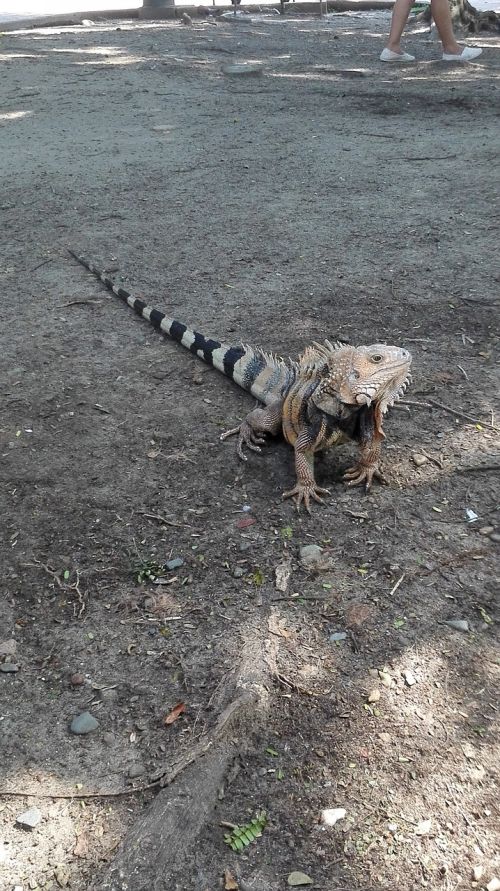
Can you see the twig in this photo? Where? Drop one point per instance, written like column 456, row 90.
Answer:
column 43, row 263
column 396, row 586
column 88, row 302
column 431, row 403
column 162, row 519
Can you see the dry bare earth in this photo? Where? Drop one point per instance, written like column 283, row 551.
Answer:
column 329, row 197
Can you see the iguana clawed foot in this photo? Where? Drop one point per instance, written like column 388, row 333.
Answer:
column 303, row 492
column 247, row 436
column 363, row 473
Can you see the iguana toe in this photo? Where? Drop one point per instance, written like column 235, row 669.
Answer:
column 302, row 493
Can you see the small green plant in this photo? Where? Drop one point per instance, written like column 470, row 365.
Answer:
column 147, row 571
column 242, row 836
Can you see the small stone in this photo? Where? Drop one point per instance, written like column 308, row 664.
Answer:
column 108, row 738
column 385, row 738
column 337, row 635
column 493, row 884
column 77, row 679
column 374, row 696
column 495, row 536
column 477, row 873
column 239, row 572
column 484, row 530
column 297, row 878
column 332, row 815
column 424, row 827
column 30, row 818
column 409, row 677
column 419, row 460
column 9, row 667
column 9, row 647
column 175, row 563
column 136, row 770
column 310, row 553
column 458, row 624
column 84, row 723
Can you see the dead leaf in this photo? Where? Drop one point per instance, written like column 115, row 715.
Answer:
column 230, row 883
column 175, row 713
column 245, row 521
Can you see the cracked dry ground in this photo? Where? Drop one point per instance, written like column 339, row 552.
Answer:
column 329, row 197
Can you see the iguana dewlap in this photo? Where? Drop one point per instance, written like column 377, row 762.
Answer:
column 332, row 394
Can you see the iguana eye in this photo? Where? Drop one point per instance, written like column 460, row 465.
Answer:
column 376, row 358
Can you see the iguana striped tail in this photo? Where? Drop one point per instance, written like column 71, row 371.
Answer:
column 265, row 376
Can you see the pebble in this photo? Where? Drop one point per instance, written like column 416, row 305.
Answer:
column 77, row 679
column 175, row 563
column 484, row 530
column 337, row 635
column 310, row 554
column 30, row 818
column 297, row 878
column 332, row 815
column 239, row 572
column 419, row 460
column 477, row 873
column 136, row 770
column 410, row 678
column 493, row 884
column 9, row 667
column 84, row 723
column 458, row 624
column 108, row 738
column 495, row 536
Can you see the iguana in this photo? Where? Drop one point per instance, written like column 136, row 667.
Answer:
column 333, row 393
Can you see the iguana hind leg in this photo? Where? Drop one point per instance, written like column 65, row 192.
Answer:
column 252, row 430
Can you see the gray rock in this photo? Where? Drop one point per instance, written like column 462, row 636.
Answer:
column 337, row 635
column 239, row 572
column 108, row 738
column 9, row 667
column 458, row 624
column 84, row 723
column 175, row 563
column 310, row 554
column 136, row 770
column 495, row 536
column 30, row 818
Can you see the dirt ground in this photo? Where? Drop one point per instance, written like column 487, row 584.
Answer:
column 327, row 196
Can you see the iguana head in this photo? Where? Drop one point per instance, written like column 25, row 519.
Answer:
column 363, row 375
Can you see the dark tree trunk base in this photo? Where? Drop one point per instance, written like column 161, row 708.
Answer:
column 464, row 15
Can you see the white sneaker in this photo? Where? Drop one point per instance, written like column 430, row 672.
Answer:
column 388, row 55
column 467, row 55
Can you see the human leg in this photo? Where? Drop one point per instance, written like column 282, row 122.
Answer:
column 440, row 10
column 400, row 13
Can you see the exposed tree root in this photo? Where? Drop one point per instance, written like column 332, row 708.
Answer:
column 161, row 842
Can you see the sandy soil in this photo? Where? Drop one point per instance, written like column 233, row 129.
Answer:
column 328, row 197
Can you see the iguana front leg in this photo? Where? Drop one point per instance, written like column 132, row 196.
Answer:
column 251, row 432
column 367, row 466
column 306, row 486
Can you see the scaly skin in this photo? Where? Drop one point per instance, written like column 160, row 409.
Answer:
column 340, row 393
